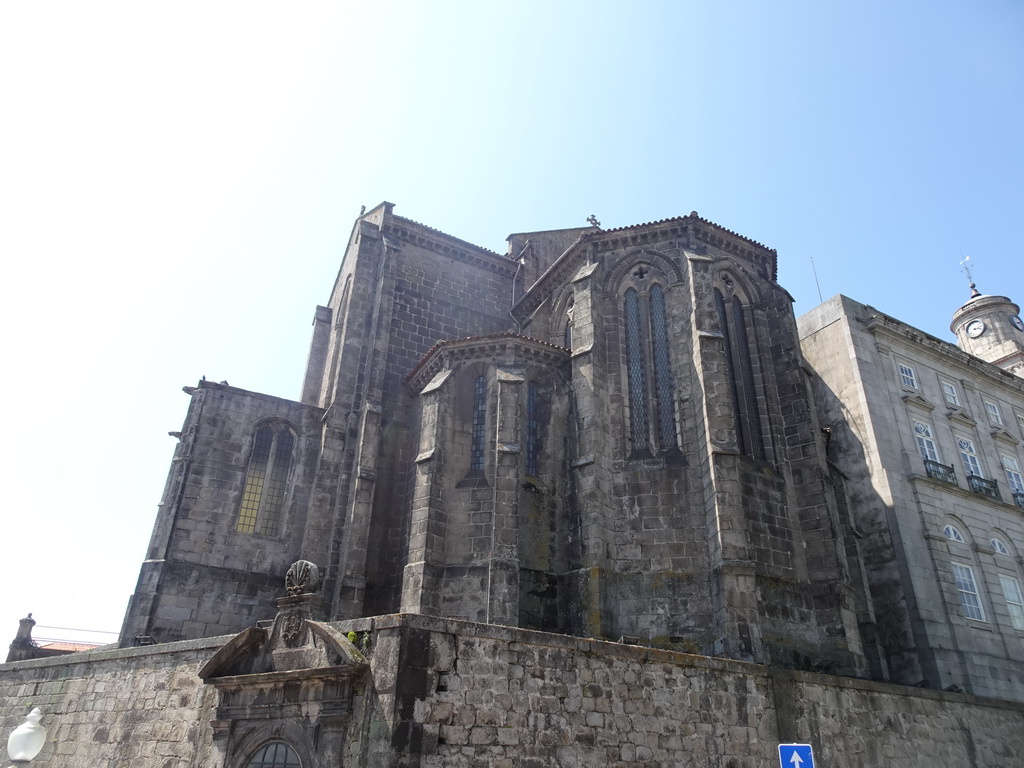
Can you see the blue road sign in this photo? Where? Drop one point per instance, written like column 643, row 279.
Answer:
column 796, row 756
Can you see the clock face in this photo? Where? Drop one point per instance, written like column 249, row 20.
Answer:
column 975, row 328
column 1017, row 322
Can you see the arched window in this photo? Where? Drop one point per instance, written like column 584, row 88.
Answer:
column 953, row 534
column 276, row 754
column 663, row 385
column 476, row 462
column 648, row 357
column 740, row 371
column 998, row 546
column 532, row 428
column 265, row 481
column 636, row 370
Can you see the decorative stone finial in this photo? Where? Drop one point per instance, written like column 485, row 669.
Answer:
column 302, row 578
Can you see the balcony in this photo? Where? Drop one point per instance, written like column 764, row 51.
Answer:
column 1018, row 498
column 984, row 487
column 941, row 472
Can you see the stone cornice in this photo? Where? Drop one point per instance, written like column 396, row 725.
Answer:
column 502, row 348
column 883, row 326
column 417, row 234
column 689, row 232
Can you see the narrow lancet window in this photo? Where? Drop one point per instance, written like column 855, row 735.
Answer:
column 740, row 371
column 748, row 400
column 635, row 365
column 265, row 482
column 532, row 428
column 664, row 387
column 479, row 424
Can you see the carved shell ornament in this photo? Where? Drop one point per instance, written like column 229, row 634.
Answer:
column 302, row 578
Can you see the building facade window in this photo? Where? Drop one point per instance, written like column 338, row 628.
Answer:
column 994, row 415
column 476, row 461
column 265, row 481
column 739, row 365
column 999, row 547
column 1014, row 600
column 276, row 754
column 647, row 342
column 970, row 600
column 969, row 457
column 1020, row 423
column 953, row 534
column 950, row 393
column 925, row 441
column 1013, row 477
column 907, row 375
column 664, row 387
column 532, row 428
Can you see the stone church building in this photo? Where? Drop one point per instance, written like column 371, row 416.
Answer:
column 601, row 433
column 599, row 500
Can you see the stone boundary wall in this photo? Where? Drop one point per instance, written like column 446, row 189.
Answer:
column 452, row 693
column 141, row 707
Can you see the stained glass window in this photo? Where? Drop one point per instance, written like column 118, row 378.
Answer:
column 276, row 754
column 266, row 481
column 730, row 368
column 639, row 424
column 664, row 387
column 749, row 411
column 532, row 428
column 479, row 423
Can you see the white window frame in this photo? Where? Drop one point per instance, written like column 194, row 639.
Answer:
column 994, row 414
column 1014, row 600
column 1013, row 476
column 969, row 457
column 1020, row 422
column 950, row 393
column 953, row 534
column 998, row 546
column 907, row 374
column 967, row 587
column 925, row 439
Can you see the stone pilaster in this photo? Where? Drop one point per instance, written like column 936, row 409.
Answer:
column 422, row 577
column 351, row 583
column 503, row 564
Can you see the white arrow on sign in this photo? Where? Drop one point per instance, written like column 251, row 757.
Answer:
column 796, row 760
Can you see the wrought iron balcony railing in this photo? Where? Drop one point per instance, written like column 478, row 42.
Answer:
column 1018, row 498
column 941, row 472
column 984, row 487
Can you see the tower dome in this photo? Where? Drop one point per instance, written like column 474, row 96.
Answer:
column 990, row 327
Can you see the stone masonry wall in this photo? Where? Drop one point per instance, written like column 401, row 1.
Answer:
column 450, row 693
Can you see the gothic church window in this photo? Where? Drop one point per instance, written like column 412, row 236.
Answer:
column 740, row 370
column 532, row 428
column 276, row 754
column 647, row 340
column 479, row 424
column 265, row 481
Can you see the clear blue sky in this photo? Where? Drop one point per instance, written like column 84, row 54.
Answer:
column 177, row 183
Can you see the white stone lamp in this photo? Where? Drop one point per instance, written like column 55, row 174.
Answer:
column 27, row 739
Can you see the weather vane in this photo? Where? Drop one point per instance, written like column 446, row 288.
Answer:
column 966, row 269
column 592, row 221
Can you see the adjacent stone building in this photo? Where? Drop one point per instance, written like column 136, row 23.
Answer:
column 929, row 436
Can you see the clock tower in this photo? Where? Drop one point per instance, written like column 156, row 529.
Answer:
column 990, row 327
